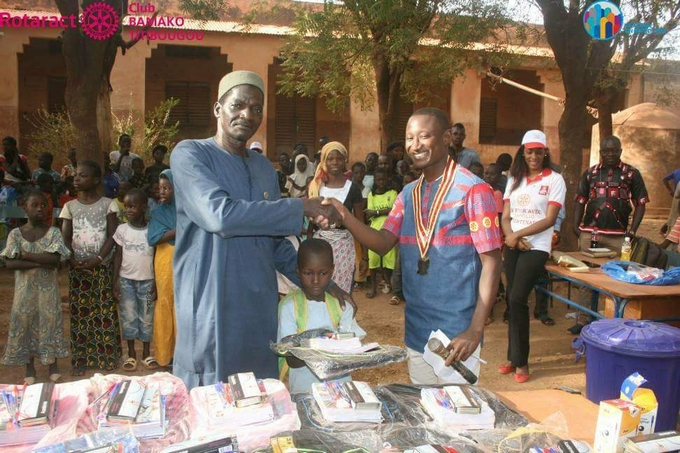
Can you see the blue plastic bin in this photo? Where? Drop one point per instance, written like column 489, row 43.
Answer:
column 616, row 348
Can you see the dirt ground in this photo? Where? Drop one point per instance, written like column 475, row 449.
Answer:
column 551, row 359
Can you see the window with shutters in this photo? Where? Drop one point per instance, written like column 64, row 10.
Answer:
column 507, row 112
column 488, row 110
column 404, row 112
column 194, row 106
column 56, row 90
column 295, row 121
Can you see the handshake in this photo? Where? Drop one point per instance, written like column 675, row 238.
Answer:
column 325, row 213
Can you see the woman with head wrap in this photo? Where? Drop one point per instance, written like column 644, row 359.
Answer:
column 301, row 177
column 330, row 182
column 162, row 235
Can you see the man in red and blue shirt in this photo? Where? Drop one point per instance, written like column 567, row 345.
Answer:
column 453, row 287
column 608, row 192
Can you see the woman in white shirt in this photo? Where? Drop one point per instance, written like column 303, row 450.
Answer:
column 330, row 182
column 533, row 197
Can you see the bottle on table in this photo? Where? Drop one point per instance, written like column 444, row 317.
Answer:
column 594, row 238
column 626, row 249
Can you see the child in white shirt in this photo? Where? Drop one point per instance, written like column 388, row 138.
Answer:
column 133, row 277
column 313, row 308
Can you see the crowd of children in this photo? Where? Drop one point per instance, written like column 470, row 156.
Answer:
column 109, row 245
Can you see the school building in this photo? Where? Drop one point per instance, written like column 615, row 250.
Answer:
column 495, row 115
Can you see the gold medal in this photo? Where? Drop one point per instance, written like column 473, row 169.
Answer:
column 424, row 232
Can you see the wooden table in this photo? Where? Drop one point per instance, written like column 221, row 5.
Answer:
column 659, row 303
column 537, row 405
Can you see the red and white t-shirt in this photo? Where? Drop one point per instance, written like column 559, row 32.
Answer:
column 529, row 203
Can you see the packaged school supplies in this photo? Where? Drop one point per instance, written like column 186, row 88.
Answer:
column 115, row 440
column 331, row 365
column 137, row 405
column 36, row 404
column 219, row 444
column 457, row 408
column 643, row 398
column 333, row 343
column 17, row 427
column 245, row 389
column 250, row 436
column 177, row 407
column 224, row 409
column 347, row 402
column 617, row 420
column 665, row 441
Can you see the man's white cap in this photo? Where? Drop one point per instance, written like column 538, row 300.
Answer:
column 534, row 139
column 256, row 145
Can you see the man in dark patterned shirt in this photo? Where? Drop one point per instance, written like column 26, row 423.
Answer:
column 608, row 192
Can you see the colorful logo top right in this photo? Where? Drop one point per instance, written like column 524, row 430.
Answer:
column 603, row 20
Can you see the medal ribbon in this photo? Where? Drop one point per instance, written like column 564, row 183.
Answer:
column 424, row 233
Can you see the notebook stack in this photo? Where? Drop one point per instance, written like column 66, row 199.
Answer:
column 457, row 405
column 140, row 406
column 347, row 402
column 599, row 252
column 337, row 344
column 241, row 401
column 25, row 413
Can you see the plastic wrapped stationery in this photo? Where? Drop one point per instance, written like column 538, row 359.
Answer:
column 216, row 410
column 330, row 355
column 26, row 413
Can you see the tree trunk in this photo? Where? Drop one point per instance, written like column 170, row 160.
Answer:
column 387, row 84
column 88, row 68
column 571, row 127
column 604, row 102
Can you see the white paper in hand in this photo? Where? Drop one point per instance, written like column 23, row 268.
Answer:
column 446, row 373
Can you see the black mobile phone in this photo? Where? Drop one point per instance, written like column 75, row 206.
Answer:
column 591, row 264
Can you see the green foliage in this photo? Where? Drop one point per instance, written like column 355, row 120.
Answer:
column 53, row 132
column 158, row 130
column 336, row 50
column 203, row 9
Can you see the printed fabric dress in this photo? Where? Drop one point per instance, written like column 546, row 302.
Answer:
column 95, row 329
column 36, row 326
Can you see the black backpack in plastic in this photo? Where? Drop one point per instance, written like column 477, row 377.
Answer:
column 648, row 253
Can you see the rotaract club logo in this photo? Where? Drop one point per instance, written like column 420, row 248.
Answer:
column 100, row 21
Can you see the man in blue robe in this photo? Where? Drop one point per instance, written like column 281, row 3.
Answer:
column 231, row 228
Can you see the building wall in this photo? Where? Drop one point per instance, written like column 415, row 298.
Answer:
column 138, row 80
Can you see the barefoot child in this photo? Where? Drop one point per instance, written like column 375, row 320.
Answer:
column 380, row 202
column 312, row 308
column 88, row 223
column 36, row 325
column 133, row 280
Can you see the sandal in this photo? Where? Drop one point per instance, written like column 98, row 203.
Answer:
column 78, row 370
column 546, row 320
column 29, row 380
column 394, row 300
column 54, row 377
column 130, row 364
column 370, row 294
column 150, row 363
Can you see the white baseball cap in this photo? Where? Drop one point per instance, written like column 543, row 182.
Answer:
column 534, row 139
column 256, row 145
